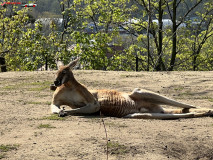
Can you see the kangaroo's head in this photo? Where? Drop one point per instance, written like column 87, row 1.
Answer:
column 64, row 73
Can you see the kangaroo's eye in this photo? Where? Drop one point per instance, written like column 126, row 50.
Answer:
column 64, row 71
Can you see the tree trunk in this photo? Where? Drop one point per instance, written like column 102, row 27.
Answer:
column 148, row 28
column 136, row 61
column 174, row 37
column 3, row 64
column 160, row 66
column 46, row 63
column 194, row 62
column 195, row 55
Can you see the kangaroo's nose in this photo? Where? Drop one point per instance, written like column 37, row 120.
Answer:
column 57, row 83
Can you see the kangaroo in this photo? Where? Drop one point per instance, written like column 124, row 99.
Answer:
column 139, row 103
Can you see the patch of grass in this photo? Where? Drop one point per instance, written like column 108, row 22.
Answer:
column 34, row 86
column 9, row 147
column 45, row 126
column 47, row 103
column 187, row 93
column 15, row 86
column 41, row 95
column 116, row 148
column 210, row 99
column 54, row 117
column 179, row 88
column 4, row 93
column 130, row 76
column 34, row 102
column 39, row 85
column 10, row 87
column 39, row 103
column 2, row 156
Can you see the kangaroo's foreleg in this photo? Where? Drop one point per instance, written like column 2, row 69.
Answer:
column 55, row 109
column 88, row 109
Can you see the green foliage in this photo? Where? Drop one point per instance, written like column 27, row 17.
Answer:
column 27, row 48
column 91, row 30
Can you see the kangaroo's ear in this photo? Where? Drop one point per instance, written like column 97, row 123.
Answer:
column 59, row 64
column 73, row 63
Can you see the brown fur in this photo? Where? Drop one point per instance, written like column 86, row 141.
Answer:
column 138, row 104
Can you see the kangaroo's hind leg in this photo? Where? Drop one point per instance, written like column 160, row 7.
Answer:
column 154, row 98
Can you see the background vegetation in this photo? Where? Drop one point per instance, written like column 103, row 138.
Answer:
column 152, row 35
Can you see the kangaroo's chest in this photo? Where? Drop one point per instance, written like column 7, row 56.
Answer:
column 73, row 99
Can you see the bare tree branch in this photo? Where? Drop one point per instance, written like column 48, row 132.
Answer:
column 186, row 14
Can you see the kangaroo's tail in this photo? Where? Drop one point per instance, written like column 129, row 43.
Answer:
column 171, row 114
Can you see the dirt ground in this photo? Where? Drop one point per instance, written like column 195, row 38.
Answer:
column 29, row 132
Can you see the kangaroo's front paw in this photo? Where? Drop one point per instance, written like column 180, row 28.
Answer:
column 209, row 113
column 53, row 87
column 62, row 113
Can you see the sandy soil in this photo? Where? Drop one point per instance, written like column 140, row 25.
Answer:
column 28, row 131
